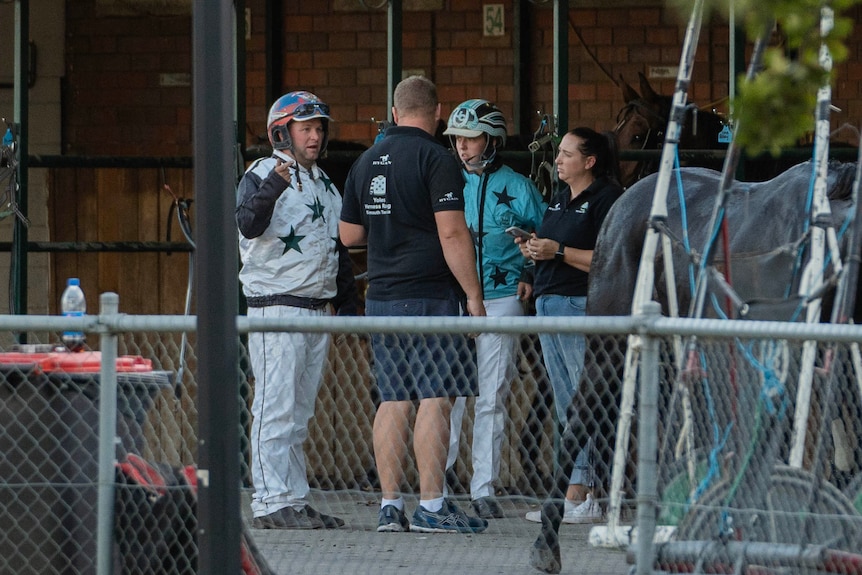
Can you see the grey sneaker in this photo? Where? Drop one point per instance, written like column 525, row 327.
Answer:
column 392, row 520
column 329, row 521
column 449, row 519
column 487, row 508
column 287, row 518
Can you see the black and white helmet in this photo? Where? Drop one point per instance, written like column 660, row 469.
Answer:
column 474, row 118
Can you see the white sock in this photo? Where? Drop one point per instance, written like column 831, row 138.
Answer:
column 396, row 503
column 432, row 505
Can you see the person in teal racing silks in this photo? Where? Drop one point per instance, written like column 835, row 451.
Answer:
column 495, row 198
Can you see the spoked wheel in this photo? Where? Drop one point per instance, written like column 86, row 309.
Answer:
column 786, row 523
column 832, row 519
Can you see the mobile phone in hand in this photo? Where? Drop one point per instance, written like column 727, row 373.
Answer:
column 517, row 232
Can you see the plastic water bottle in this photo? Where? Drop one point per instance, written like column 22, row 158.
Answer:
column 73, row 304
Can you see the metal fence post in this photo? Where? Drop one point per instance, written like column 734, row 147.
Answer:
column 109, row 305
column 647, row 445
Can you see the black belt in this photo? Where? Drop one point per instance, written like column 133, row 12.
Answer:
column 287, row 299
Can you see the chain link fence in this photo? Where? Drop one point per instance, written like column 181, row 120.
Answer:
column 712, row 485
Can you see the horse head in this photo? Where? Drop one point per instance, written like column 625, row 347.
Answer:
column 642, row 122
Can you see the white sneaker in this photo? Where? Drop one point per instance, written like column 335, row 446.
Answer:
column 587, row 512
column 534, row 516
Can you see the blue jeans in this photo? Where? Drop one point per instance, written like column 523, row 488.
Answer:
column 564, row 362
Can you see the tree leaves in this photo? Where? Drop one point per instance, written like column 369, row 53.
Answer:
column 776, row 108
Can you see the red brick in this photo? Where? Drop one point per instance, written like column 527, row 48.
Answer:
column 293, row 23
column 644, row 16
column 854, row 71
column 579, row 18
column 369, row 111
column 495, row 75
column 454, row 18
column 606, row 91
column 597, row 36
column 343, row 55
column 343, row 41
column 418, row 59
column 581, row 92
column 467, row 39
column 628, row 36
column 308, row 78
column 414, row 39
column 300, row 60
column 661, row 36
column 357, row 132
column 465, row 74
column 451, row 58
column 505, row 96
column 417, row 21
column 371, row 77
column 600, row 115
column 366, row 40
column 451, row 96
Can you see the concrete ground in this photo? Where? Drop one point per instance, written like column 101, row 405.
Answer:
column 357, row 548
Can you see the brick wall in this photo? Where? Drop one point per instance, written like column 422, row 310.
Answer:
column 120, row 96
column 116, row 101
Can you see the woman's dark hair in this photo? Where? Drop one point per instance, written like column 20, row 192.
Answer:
column 603, row 147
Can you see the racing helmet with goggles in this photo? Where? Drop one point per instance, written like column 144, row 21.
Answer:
column 474, row 118
column 299, row 107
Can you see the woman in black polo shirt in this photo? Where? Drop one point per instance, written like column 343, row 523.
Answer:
column 563, row 250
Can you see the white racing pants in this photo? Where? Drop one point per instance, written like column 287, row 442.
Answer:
column 288, row 370
column 495, row 366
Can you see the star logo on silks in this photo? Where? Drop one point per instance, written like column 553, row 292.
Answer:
column 316, row 210
column 499, row 276
column 504, row 198
column 475, row 235
column 328, row 183
column 291, row 241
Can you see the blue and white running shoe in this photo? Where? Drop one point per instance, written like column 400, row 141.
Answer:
column 449, row 519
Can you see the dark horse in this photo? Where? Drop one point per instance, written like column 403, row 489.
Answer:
column 765, row 220
column 642, row 124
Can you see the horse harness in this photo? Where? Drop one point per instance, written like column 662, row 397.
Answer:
column 654, row 139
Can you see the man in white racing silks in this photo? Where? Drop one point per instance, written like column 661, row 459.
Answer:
column 293, row 265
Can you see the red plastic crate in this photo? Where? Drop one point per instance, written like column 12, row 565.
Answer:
column 82, row 362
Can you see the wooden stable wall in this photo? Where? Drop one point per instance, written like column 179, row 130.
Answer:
column 131, row 205
column 120, row 205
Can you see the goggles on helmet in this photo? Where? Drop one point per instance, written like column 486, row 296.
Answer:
column 306, row 111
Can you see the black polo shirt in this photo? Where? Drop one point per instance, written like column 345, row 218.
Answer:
column 576, row 224
column 394, row 189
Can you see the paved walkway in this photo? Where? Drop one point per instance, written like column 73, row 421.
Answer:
column 503, row 549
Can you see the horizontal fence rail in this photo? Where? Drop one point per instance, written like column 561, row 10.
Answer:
column 717, row 489
column 654, row 326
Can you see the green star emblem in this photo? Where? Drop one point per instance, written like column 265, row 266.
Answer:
column 291, row 241
column 328, row 183
column 316, row 209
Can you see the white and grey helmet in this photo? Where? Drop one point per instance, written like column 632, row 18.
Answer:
column 474, row 118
